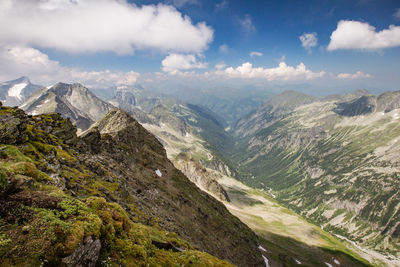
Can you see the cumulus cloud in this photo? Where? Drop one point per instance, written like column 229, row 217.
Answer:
column 396, row 14
column 19, row 61
column 281, row 73
column 104, row 78
column 352, row 76
column 220, row 65
column 247, row 24
column 22, row 60
column 176, row 62
column 255, row 54
column 309, row 40
column 351, row 34
column 100, row 25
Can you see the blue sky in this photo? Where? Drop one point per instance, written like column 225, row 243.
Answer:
column 323, row 45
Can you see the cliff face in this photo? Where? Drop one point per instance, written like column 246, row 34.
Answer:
column 112, row 193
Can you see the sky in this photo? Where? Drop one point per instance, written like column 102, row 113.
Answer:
column 318, row 46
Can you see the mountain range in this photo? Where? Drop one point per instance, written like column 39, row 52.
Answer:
column 333, row 159
column 317, row 156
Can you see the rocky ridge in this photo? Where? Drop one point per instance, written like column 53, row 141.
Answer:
column 120, row 178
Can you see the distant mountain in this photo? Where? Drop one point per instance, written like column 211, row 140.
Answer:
column 229, row 104
column 335, row 160
column 73, row 101
column 13, row 93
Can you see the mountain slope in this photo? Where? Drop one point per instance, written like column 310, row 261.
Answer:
column 181, row 129
column 71, row 100
column 117, row 160
column 336, row 162
column 13, row 93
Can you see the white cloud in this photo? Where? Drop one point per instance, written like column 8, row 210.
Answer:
column 224, row 49
column 247, row 24
column 176, row 62
column 19, row 61
column 351, row 34
column 309, row 40
column 357, row 75
column 255, row 54
column 100, row 25
column 104, row 78
column 396, row 14
column 281, row 73
column 220, row 65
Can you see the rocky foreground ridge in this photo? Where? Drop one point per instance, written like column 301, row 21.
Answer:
column 110, row 197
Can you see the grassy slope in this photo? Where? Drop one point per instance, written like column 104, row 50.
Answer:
column 347, row 150
column 41, row 224
column 286, row 236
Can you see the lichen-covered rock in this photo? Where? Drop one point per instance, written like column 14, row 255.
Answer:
column 86, row 255
column 12, row 126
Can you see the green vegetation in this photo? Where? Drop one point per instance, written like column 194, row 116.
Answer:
column 41, row 224
column 316, row 161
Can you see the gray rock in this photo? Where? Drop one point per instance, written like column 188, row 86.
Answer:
column 85, row 255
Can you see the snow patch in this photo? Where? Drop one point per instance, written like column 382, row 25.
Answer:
column 261, row 248
column 48, row 87
column 266, row 261
column 336, row 261
column 187, row 134
column 16, row 90
column 158, row 172
column 297, row 261
column 329, row 265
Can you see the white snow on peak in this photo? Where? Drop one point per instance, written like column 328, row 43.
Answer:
column 266, row 261
column 48, row 87
column 16, row 90
column 261, row 248
column 158, row 172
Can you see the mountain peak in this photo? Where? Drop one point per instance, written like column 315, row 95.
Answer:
column 22, row 79
column 114, row 121
column 288, row 100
